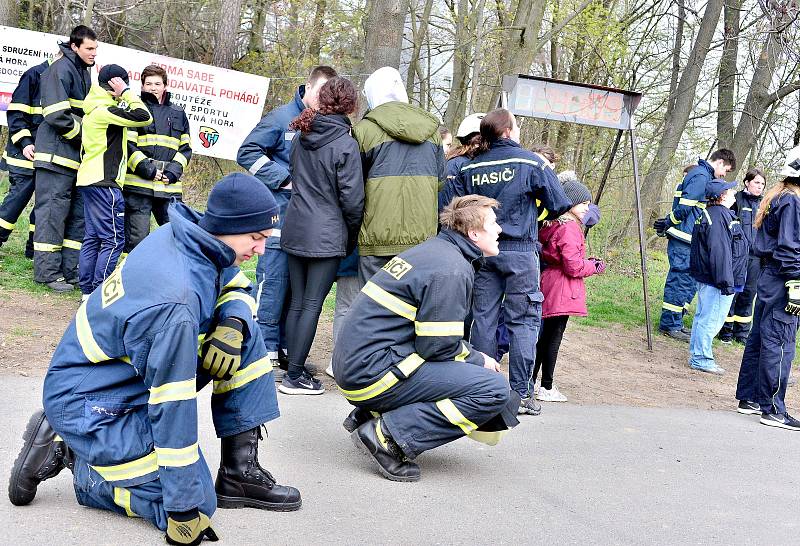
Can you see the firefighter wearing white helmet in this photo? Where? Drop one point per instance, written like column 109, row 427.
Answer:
column 468, row 135
column 770, row 347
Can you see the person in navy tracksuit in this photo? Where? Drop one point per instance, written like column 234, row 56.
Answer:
column 120, row 396
column 718, row 263
column 265, row 154
column 527, row 190
column 770, row 349
column 687, row 206
column 740, row 317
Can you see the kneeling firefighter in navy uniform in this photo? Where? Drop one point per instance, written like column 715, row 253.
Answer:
column 401, row 358
column 770, row 348
column 120, row 405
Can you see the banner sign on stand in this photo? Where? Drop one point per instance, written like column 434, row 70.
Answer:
column 222, row 105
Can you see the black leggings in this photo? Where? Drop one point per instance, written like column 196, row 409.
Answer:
column 547, row 348
column 311, row 280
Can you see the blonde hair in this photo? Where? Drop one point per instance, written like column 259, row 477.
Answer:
column 787, row 185
column 466, row 213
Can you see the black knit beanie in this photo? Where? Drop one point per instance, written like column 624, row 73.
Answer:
column 109, row 72
column 576, row 192
column 239, row 203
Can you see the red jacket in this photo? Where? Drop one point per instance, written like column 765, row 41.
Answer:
column 564, row 252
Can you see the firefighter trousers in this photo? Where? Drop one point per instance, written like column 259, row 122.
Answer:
column 138, row 208
column 444, row 401
column 59, row 227
column 680, row 287
column 740, row 317
column 20, row 191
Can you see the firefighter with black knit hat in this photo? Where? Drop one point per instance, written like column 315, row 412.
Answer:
column 120, row 406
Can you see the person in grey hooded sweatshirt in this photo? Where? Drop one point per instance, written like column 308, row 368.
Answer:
column 404, row 168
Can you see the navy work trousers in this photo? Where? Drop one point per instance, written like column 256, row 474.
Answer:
column 104, row 237
column 680, row 287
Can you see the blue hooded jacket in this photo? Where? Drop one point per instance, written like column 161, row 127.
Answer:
column 265, row 153
column 689, row 201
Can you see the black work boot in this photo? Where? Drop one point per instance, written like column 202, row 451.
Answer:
column 43, row 456
column 241, row 482
column 355, row 419
column 374, row 440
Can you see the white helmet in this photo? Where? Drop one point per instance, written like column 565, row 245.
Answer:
column 792, row 166
column 471, row 124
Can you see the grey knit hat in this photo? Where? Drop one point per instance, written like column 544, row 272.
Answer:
column 576, row 192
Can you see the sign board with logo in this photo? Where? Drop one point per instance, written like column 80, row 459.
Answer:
column 222, row 105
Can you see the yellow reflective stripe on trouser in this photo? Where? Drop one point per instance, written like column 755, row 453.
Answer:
column 122, row 498
column 487, row 437
column 729, row 319
column 74, row 245
column 462, row 356
column 240, row 280
column 244, row 376
column 743, row 320
column 407, row 366
column 173, row 392
column 128, row 471
column 453, row 415
column 433, row 329
column 389, row 301
column 246, row 298
column 46, row 247
column 6, row 225
column 90, row 347
column 47, row 110
column 182, row 456
column 673, row 308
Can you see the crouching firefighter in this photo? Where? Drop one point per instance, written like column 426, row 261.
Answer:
column 401, row 358
column 120, row 405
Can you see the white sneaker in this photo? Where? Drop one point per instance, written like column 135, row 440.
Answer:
column 535, row 389
column 550, row 395
column 329, row 369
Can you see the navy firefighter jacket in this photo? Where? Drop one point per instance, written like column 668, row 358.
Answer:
column 526, row 188
column 719, row 250
column 122, row 382
column 409, row 314
column 778, row 240
column 24, row 115
column 688, row 202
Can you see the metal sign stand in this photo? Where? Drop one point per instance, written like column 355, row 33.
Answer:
column 537, row 103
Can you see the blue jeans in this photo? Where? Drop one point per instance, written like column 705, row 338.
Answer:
column 104, row 235
column 272, row 298
column 712, row 309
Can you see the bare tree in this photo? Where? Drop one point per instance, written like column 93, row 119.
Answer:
column 9, row 13
column 384, row 34
column 728, row 73
column 230, row 22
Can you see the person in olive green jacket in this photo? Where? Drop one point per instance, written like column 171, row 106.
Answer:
column 404, row 168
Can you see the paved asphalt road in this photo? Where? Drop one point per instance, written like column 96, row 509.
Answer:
column 575, row 475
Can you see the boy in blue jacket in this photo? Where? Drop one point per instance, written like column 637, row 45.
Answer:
column 718, row 262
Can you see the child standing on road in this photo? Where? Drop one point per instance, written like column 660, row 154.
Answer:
column 718, row 262
column 564, row 252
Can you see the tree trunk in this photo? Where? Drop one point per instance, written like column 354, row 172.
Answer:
column 759, row 97
column 87, row 16
column 727, row 73
column 9, row 13
column 255, row 42
column 384, row 34
column 675, row 121
column 522, row 37
column 676, row 56
column 476, row 56
column 462, row 59
column 230, row 22
column 419, row 35
column 315, row 44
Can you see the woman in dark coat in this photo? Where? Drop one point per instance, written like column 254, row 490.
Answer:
column 322, row 219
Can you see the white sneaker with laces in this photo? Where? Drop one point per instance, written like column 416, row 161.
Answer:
column 550, row 395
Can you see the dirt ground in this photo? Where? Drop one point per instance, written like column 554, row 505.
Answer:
column 596, row 366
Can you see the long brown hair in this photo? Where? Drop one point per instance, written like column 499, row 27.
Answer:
column 337, row 96
column 493, row 125
column 468, row 148
column 787, row 185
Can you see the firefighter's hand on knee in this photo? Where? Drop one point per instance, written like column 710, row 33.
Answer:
column 222, row 351
column 793, row 307
column 189, row 528
column 490, row 363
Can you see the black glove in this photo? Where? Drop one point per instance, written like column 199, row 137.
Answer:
column 793, row 307
column 171, row 177
column 222, row 350
column 661, row 225
column 189, row 528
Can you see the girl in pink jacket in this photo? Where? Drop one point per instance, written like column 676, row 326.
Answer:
column 564, row 253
